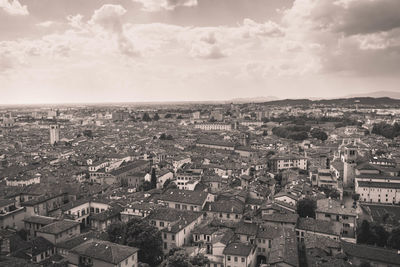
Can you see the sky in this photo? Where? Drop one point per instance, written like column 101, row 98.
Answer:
column 64, row 51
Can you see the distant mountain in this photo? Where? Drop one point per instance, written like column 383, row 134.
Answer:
column 371, row 101
column 391, row 94
column 259, row 99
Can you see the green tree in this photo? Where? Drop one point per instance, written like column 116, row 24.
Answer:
column 156, row 117
column 306, row 208
column 146, row 117
column 394, row 239
column 153, row 180
column 88, row 133
column 380, row 234
column 146, row 186
column 116, row 232
column 140, row 234
column 364, row 234
column 319, row 134
column 199, row 260
column 23, row 234
column 179, row 258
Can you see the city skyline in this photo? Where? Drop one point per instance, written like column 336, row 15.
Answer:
column 196, row 50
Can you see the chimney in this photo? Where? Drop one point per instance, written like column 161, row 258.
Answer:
column 169, row 227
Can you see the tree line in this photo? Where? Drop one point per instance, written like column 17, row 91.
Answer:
column 376, row 234
column 386, row 130
column 299, row 132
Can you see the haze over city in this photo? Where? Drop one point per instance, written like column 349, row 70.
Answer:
column 57, row 51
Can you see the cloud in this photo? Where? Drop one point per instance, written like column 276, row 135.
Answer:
column 45, row 24
column 368, row 16
column 353, row 37
column 14, row 7
column 158, row 5
column 268, row 29
column 350, row 17
column 207, row 52
column 108, row 17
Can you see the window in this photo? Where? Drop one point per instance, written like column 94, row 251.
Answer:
column 161, row 224
column 165, row 245
column 242, row 259
column 228, row 258
column 236, row 259
column 165, row 236
column 126, row 261
column 173, row 237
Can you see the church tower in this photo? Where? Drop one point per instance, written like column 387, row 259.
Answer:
column 54, row 134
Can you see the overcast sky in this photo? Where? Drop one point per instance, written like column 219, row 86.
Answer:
column 164, row 50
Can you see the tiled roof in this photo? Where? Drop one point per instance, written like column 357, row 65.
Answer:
column 281, row 217
column 332, row 206
column 323, row 242
column 58, row 227
column 226, row 206
column 269, row 232
column 239, row 249
column 244, row 228
column 319, row 226
column 377, row 176
column 129, row 167
column 172, row 215
column 284, row 249
column 77, row 240
column 204, row 230
column 371, row 253
column 107, row 214
column 104, row 251
column 379, row 184
column 39, row 245
column 40, row 219
column 184, row 196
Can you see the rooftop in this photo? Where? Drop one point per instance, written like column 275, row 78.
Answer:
column 58, row 227
column 104, row 251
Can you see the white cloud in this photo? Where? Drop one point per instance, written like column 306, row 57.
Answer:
column 158, row 5
column 108, row 17
column 45, row 24
column 14, row 7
